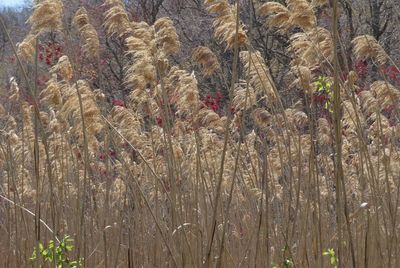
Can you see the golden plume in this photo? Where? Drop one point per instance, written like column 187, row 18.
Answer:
column 280, row 17
column 116, row 20
column 52, row 95
column 210, row 120
column 258, row 74
column 14, row 90
column 369, row 103
column 167, row 39
column 206, row 59
column 225, row 23
column 304, row 77
column 150, row 46
column 87, row 32
column 141, row 73
column 366, row 46
column 186, row 94
column 244, row 96
column 91, row 112
column 64, row 68
column 129, row 124
column 386, row 94
column 297, row 13
column 324, row 132
column 47, row 16
column 261, row 118
column 312, row 48
column 302, row 14
column 27, row 48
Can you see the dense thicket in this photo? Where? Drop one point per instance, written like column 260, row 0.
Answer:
column 164, row 133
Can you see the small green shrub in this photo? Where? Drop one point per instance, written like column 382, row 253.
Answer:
column 61, row 251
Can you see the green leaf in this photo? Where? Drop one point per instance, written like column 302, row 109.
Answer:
column 33, row 257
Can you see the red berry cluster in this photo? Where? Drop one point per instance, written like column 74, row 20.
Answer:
column 118, row 102
column 320, row 98
column 392, row 72
column 12, row 60
column 213, row 101
column 103, row 155
column 49, row 52
column 159, row 121
column 361, row 68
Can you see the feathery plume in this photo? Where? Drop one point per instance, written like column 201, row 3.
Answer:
column 366, row 46
column 91, row 112
column 225, row 23
column 141, row 73
column 46, row 16
column 14, row 89
column 64, row 68
column 187, row 94
column 369, row 103
column 206, row 59
column 210, row 120
column 27, row 48
column 116, row 20
column 87, row 32
column 261, row 117
column 280, row 17
column 258, row 72
column 301, row 14
column 244, row 96
column 52, row 95
column 386, row 94
column 150, row 46
column 304, row 78
column 167, row 39
column 349, row 119
column 297, row 13
column 312, row 48
column 129, row 124
column 324, row 132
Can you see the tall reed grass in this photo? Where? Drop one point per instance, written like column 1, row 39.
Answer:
column 163, row 180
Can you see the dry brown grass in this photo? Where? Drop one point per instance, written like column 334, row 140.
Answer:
column 165, row 181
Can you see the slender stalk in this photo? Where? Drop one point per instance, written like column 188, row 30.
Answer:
column 224, row 150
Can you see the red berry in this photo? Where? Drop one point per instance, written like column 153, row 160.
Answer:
column 159, row 121
column 117, row 102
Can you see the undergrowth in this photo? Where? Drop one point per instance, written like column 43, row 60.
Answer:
column 166, row 177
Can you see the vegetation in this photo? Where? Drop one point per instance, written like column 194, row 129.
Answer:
column 273, row 142
column 61, row 250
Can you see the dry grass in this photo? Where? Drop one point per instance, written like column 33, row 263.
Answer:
column 165, row 181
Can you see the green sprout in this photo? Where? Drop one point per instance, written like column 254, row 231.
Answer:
column 332, row 257
column 324, row 87
column 58, row 252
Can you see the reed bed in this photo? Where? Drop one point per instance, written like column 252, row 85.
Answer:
column 163, row 180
